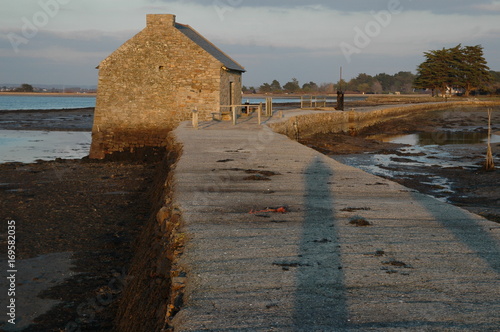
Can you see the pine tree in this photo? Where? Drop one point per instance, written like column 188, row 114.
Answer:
column 463, row 67
column 434, row 72
column 473, row 72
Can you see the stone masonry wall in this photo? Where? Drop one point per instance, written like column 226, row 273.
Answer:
column 149, row 85
column 351, row 122
column 230, row 88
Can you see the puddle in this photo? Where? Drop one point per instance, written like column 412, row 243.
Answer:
column 29, row 146
column 439, row 138
column 423, row 154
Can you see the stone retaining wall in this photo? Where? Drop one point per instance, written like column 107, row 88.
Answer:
column 154, row 284
column 352, row 121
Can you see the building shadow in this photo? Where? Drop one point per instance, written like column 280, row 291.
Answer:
column 320, row 303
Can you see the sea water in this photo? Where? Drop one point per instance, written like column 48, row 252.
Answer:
column 28, row 146
column 44, row 102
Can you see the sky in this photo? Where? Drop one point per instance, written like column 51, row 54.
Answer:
column 63, row 41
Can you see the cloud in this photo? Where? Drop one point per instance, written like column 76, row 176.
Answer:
column 280, row 38
column 488, row 7
column 444, row 7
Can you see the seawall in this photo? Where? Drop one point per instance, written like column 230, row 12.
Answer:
column 352, row 121
column 151, row 293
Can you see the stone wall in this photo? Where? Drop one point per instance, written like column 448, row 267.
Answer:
column 154, row 284
column 351, row 121
column 150, row 84
column 230, row 88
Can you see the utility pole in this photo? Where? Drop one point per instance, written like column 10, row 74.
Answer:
column 340, row 94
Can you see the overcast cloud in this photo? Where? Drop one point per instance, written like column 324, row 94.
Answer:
column 62, row 41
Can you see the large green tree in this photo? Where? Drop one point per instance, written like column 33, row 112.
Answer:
column 462, row 67
column 473, row 70
column 292, row 87
column 436, row 71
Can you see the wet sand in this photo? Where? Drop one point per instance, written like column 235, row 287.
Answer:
column 78, row 221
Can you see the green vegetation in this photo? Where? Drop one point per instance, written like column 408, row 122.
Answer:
column 363, row 83
column 25, row 88
column 461, row 68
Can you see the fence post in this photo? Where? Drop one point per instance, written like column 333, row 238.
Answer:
column 195, row 118
column 233, row 109
column 269, row 106
column 259, row 113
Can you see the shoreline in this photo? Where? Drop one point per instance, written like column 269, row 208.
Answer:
column 77, row 119
column 49, row 94
column 49, row 110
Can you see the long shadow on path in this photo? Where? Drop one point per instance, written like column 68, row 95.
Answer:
column 320, row 298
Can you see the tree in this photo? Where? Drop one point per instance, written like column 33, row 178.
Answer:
column 276, row 86
column 25, row 88
column 494, row 86
column 463, row 67
column 436, row 72
column 362, row 83
column 387, row 81
column 376, row 87
column 265, row 88
column 341, row 85
column 292, row 86
column 326, row 88
column 310, row 87
column 473, row 72
column 403, row 81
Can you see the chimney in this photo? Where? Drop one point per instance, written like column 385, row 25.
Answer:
column 160, row 20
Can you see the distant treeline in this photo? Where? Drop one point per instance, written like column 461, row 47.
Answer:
column 402, row 82
column 363, row 83
column 30, row 88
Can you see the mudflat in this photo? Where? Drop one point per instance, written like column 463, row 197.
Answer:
column 470, row 187
column 75, row 219
column 79, row 119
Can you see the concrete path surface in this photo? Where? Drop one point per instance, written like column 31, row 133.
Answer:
column 420, row 264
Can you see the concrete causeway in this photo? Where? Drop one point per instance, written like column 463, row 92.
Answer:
column 420, row 264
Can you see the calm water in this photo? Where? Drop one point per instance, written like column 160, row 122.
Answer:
column 16, row 102
column 27, row 146
column 440, row 138
column 281, row 100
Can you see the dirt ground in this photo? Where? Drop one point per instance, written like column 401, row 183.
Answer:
column 90, row 209
column 472, row 188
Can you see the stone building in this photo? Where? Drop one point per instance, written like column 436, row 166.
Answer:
column 154, row 81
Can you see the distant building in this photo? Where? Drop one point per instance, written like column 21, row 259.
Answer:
column 154, row 81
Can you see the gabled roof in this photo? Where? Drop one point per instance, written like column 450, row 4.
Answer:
column 209, row 47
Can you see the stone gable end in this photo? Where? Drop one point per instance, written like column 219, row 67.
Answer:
column 153, row 82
